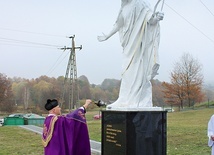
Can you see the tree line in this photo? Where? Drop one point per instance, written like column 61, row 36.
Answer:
column 185, row 89
column 33, row 94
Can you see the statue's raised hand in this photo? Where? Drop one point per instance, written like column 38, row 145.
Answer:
column 159, row 15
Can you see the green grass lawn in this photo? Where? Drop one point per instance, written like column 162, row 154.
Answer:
column 187, row 132
column 16, row 141
column 186, row 135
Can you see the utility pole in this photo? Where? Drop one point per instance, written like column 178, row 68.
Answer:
column 73, row 91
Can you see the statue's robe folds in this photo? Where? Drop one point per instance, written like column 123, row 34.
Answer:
column 66, row 135
column 140, row 41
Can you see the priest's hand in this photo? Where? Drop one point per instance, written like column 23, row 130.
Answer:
column 212, row 137
column 87, row 102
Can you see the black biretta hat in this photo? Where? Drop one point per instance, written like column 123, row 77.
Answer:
column 51, row 104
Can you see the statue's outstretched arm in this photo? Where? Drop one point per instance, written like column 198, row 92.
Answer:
column 111, row 33
column 116, row 27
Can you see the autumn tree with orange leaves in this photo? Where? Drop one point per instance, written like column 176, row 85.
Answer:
column 185, row 88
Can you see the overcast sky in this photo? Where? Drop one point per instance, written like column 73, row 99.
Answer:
column 32, row 31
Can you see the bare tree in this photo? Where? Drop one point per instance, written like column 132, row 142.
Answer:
column 186, row 82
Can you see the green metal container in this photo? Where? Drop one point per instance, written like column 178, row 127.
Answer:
column 13, row 121
column 34, row 121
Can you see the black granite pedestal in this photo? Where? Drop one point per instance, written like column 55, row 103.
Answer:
column 134, row 132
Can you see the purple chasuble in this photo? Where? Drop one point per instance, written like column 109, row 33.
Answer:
column 66, row 135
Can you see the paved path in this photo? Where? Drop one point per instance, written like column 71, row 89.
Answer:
column 95, row 146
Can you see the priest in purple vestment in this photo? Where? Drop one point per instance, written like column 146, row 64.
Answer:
column 65, row 135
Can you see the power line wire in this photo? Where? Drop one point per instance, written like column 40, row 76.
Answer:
column 55, row 64
column 28, row 42
column 191, row 24
column 37, row 33
column 19, row 45
column 15, row 42
column 207, row 8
